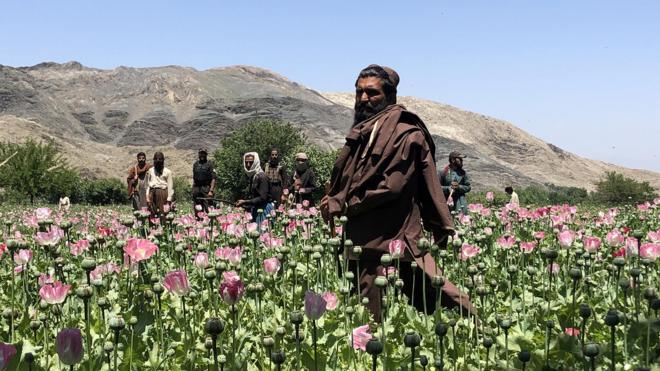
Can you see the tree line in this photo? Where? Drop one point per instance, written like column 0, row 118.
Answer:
column 36, row 171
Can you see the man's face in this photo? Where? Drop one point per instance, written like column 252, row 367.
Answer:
column 202, row 156
column 141, row 159
column 457, row 162
column 274, row 156
column 369, row 98
column 159, row 160
column 249, row 160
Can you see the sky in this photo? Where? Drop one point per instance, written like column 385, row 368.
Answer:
column 582, row 75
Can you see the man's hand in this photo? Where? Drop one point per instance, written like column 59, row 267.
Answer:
column 240, row 203
column 325, row 210
column 210, row 194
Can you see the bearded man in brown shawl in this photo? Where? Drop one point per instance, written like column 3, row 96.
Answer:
column 385, row 182
column 137, row 186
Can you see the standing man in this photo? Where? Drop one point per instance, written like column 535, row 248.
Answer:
column 204, row 178
column 160, row 187
column 276, row 176
column 455, row 182
column 303, row 180
column 257, row 201
column 514, row 196
column 137, row 186
column 385, row 182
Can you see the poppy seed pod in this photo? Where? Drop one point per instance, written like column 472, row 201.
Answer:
column 398, row 283
column 365, row 301
column 439, row 364
column 108, row 347
column 268, row 342
column 380, row 282
column 357, row 251
column 505, row 324
column 550, row 324
column 551, row 254
column 531, row 270
column 488, row 342
column 214, row 326
column 88, row 264
column 280, row 331
column 575, row 273
column 343, row 219
column 278, row 357
column 524, row 355
column 624, row 284
column 655, row 304
column 423, row 244
column 512, row 269
column 374, row 347
column 472, row 270
column 133, row 321
column 585, row 311
column 350, row 275
column 158, row 288
column 437, row 282
column 457, row 242
column 208, row 343
column 84, row 292
column 412, row 339
column 619, row 261
column 638, row 234
column 441, row 329
column 612, row 318
column 209, row 275
column 296, row 317
column 423, row 360
column 386, row 259
column 348, row 244
column 591, row 350
column 349, row 310
column 117, row 323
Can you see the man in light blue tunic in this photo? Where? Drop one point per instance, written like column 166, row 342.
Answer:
column 455, row 183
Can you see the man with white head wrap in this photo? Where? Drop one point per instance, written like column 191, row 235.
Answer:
column 257, row 188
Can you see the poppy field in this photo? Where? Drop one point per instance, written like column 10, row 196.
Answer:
column 103, row 288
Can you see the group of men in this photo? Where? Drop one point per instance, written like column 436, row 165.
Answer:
column 152, row 187
column 384, row 181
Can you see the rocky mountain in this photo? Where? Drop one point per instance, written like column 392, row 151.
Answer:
column 101, row 118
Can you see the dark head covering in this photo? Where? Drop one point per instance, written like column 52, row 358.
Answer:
column 456, row 154
column 392, row 76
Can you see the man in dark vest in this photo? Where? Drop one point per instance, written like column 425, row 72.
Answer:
column 385, row 182
column 204, row 178
column 276, row 176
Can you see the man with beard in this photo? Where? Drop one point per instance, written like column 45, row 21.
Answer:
column 276, row 176
column 160, row 187
column 303, row 180
column 455, row 183
column 203, row 180
column 257, row 202
column 137, row 186
column 385, row 182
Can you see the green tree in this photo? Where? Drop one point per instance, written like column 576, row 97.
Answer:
column 615, row 188
column 256, row 136
column 35, row 169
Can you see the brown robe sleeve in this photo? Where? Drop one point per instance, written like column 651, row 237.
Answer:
column 130, row 180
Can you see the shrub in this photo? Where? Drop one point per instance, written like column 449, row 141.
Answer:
column 615, row 188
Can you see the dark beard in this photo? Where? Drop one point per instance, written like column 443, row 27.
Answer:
column 365, row 111
column 274, row 163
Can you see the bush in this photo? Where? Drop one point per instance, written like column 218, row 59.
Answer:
column 104, row 191
column 615, row 188
column 256, row 136
column 182, row 190
column 35, row 170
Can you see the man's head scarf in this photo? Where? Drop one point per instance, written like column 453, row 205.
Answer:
column 256, row 165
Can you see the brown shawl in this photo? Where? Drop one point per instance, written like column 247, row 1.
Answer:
column 130, row 179
column 388, row 187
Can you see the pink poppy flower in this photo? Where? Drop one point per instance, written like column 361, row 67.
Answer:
column 490, row 196
column 43, row 213
column 361, row 336
column 615, row 238
column 51, row 238
column 553, row 269
column 103, row 269
column 506, row 242
column 469, row 251
column 55, row 293
column 272, row 266
column 539, row 235
column 527, row 247
column 176, row 282
column 235, row 255
column 650, row 251
column 7, row 352
column 396, row 248
column 631, row 245
column 572, row 331
column 390, row 271
column 654, row 236
column 3, row 248
column 23, row 256
column 139, row 249
column 45, row 279
column 619, row 252
column 201, row 260
column 331, row 300
column 488, row 231
column 77, row 248
column 591, row 243
column 69, row 346
column 566, row 238
column 232, row 288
